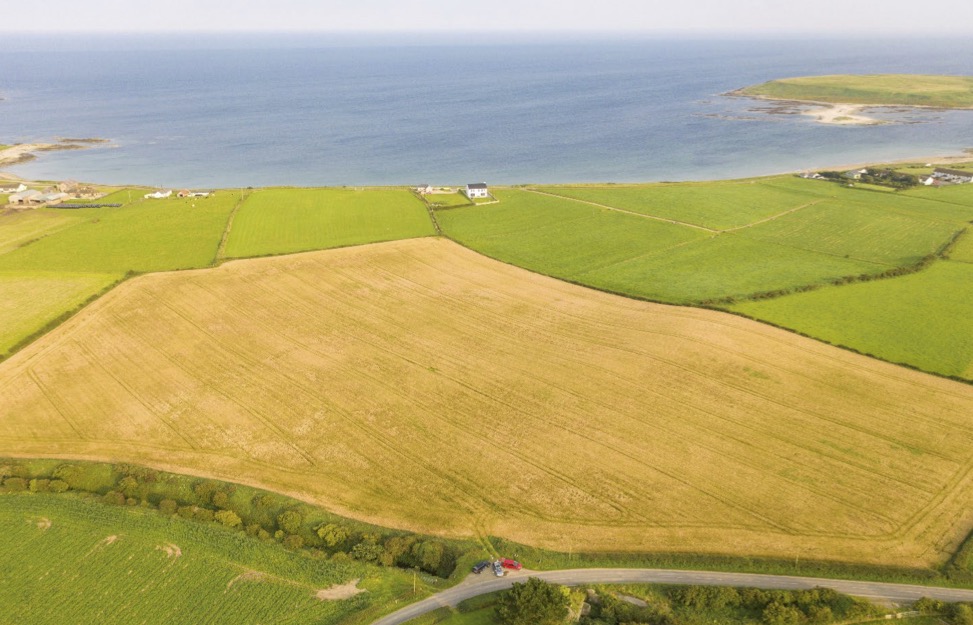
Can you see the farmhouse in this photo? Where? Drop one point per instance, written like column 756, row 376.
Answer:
column 158, row 195
column 955, row 176
column 20, row 188
column 476, row 190
column 424, row 188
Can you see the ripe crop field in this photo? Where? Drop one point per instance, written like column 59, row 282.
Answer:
column 419, row 385
column 923, row 319
column 282, row 221
column 879, row 89
column 114, row 565
column 28, row 301
column 150, row 235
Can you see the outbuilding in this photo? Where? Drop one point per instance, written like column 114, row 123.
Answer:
column 955, row 176
column 476, row 190
column 30, row 196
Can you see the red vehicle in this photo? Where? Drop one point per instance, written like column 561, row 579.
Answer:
column 507, row 563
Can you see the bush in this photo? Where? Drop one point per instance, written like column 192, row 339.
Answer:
column 168, row 507
column 58, row 486
column 15, row 484
column 332, row 534
column 293, row 542
column 228, row 518
column 290, row 521
column 40, row 485
column 114, row 498
column 534, row 602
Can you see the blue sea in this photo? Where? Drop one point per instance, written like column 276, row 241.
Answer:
column 218, row 111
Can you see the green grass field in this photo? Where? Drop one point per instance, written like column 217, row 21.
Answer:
column 924, row 319
column 718, row 205
column 963, row 251
column 282, row 221
column 149, row 235
column 877, row 89
column 31, row 300
column 18, row 228
column 802, row 233
column 559, row 237
column 447, row 200
column 116, row 565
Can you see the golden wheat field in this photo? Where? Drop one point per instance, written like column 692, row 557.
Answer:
column 419, row 385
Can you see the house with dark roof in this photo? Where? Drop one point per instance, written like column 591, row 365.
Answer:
column 954, row 176
column 476, row 190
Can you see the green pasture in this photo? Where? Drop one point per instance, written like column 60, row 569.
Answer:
column 869, row 228
column 21, row 227
column 729, row 265
column 878, row 89
column 850, row 234
column 148, row 235
column 69, row 559
column 718, row 205
column 30, row 301
column 924, row 319
column 282, row 221
column 446, row 200
column 963, row 250
column 559, row 237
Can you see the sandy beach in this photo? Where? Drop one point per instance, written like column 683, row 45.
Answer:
column 841, row 115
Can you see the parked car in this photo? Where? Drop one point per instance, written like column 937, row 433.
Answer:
column 497, row 569
column 507, row 563
column 479, row 566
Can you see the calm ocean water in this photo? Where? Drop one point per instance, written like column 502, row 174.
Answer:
column 275, row 110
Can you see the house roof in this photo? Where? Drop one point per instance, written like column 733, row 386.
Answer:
column 477, row 185
column 953, row 172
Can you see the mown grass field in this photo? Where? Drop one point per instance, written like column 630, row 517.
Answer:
column 877, row 89
column 924, row 319
column 446, row 200
column 18, row 228
column 282, row 221
column 149, row 235
column 416, row 384
column 28, row 301
column 733, row 239
column 70, row 560
column 722, row 205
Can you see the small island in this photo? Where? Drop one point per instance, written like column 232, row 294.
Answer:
column 841, row 98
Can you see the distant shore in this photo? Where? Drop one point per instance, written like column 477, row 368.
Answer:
column 26, row 152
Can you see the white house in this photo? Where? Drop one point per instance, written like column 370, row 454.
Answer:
column 158, row 195
column 20, row 188
column 424, row 188
column 476, row 190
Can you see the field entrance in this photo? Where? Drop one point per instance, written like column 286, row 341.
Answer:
column 417, row 384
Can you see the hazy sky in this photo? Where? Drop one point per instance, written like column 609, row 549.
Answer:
column 872, row 17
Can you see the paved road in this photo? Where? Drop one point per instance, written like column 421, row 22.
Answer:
column 877, row 592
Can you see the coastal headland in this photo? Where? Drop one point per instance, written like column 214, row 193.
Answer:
column 844, row 99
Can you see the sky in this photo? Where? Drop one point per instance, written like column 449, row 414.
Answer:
column 767, row 17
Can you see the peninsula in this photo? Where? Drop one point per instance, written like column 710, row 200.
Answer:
column 842, row 97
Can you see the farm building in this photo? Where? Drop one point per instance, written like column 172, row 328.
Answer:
column 476, row 190
column 424, row 188
column 30, row 196
column 17, row 188
column 52, row 198
column 955, row 176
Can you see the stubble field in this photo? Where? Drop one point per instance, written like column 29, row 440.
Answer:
column 419, row 385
